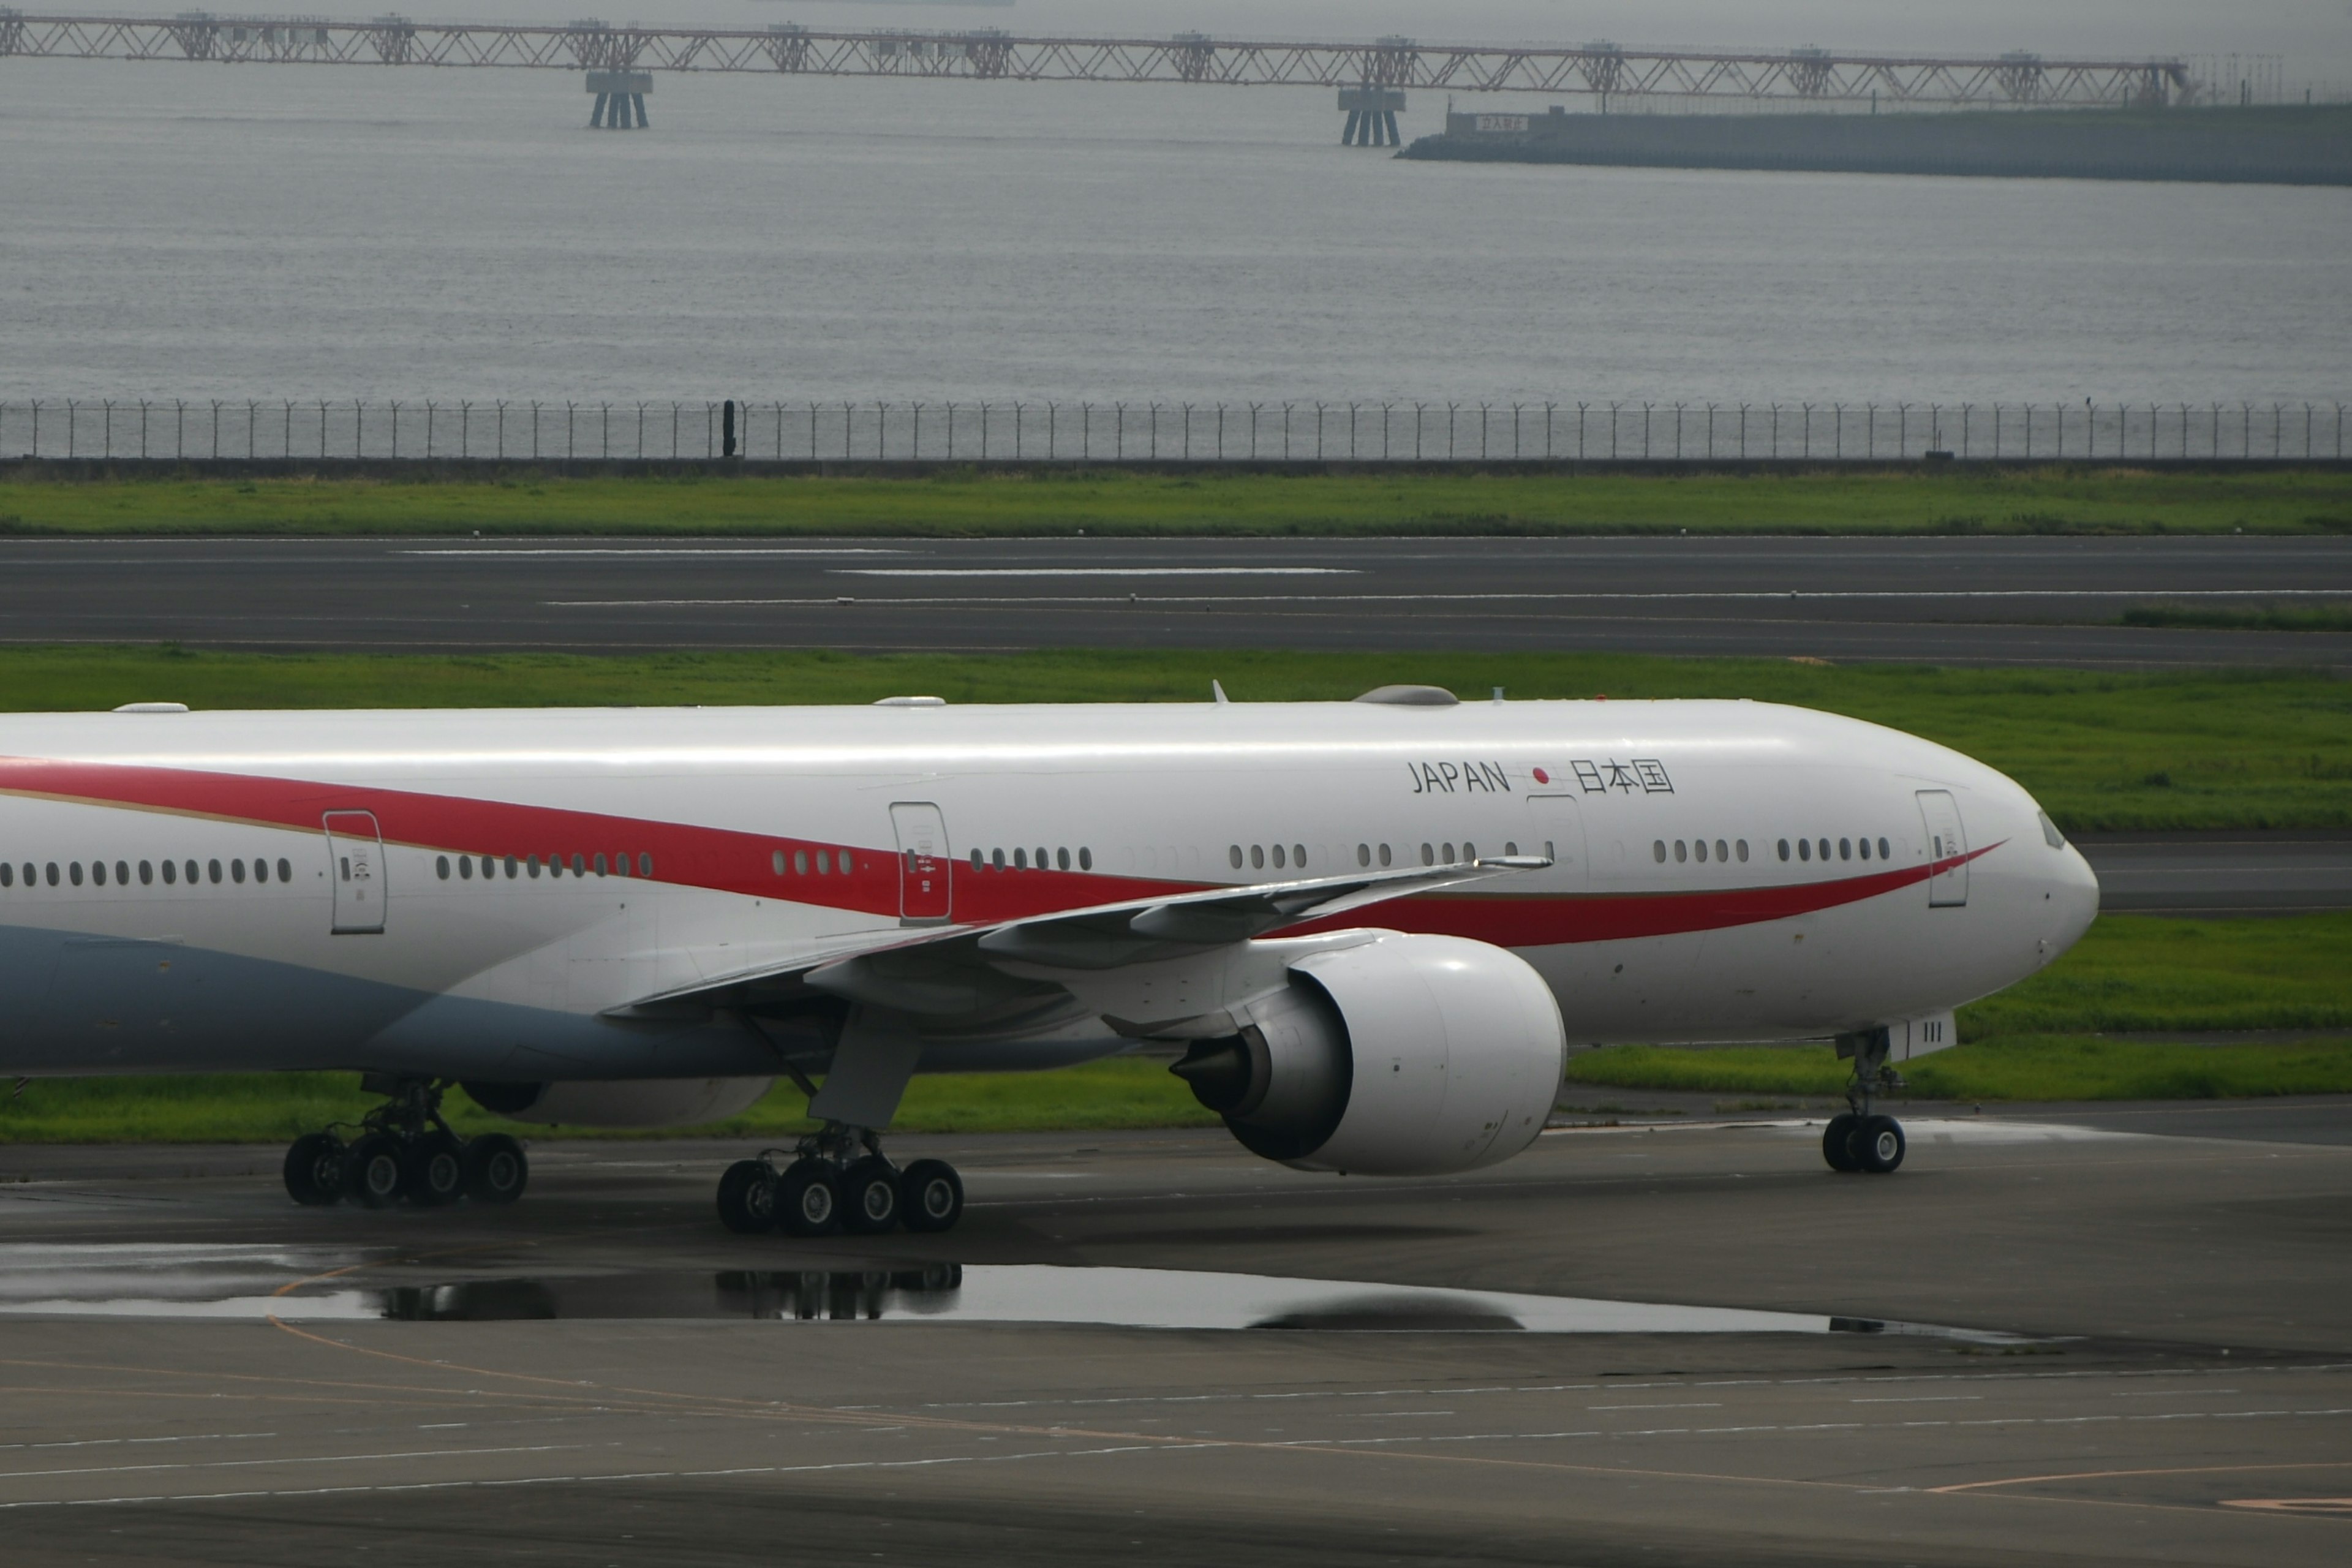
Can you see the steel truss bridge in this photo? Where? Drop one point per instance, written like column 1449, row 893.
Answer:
column 1599, row 70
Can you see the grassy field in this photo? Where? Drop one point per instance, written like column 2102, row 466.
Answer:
column 261, row 1108
column 963, row 502
column 2254, row 749
column 2037, row 1040
column 2011, row 1067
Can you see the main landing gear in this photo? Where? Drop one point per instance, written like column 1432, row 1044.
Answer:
column 838, row 1181
column 1860, row 1139
column 404, row 1150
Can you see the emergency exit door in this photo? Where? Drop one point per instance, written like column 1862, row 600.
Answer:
column 926, row 896
column 355, row 866
column 1948, row 848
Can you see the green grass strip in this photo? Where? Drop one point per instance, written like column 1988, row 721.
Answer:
column 2101, row 751
column 957, row 502
column 2152, row 974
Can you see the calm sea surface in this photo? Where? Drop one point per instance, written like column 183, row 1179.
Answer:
column 182, row 231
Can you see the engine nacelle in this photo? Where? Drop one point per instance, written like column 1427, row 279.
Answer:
column 622, row 1102
column 1406, row 1056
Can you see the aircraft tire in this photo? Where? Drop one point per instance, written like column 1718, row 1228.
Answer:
column 314, row 1170
column 808, row 1199
column 930, row 1196
column 1879, row 1144
column 432, row 1170
column 496, row 1168
column 869, row 1196
column 1837, row 1142
column 747, row 1198
column 372, row 1171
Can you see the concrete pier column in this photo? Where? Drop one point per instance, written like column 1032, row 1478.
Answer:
column 639, row 99
column 620, row 99
column 1371, row 116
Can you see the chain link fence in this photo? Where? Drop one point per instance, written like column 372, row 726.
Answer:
column 1116, row 432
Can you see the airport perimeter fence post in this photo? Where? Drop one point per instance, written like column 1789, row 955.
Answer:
column 1964, row 432
column 1351, row 432
column 1710, row 432
column 1118, row 431
column 1579, row 432
column 465, row 428
column 1253, row 414
column 1416, row 432
column 1805, row 437
column 1152, row 436
column 1678, row 432
column 1548, row 412
column 1318, row 432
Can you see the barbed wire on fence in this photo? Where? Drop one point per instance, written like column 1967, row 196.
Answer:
column 1024, row 430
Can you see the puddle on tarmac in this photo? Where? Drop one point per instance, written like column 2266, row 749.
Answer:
column 254, row 1282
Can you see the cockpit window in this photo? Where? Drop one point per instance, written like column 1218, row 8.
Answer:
column 2050, row 834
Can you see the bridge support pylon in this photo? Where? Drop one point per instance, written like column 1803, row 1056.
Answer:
column 1371, row 116
column 620, row 99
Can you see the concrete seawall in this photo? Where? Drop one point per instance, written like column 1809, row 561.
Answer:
column 2301, row 146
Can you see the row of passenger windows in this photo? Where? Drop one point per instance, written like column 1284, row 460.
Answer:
column 515, row 865
column 1846, row 848
column 827, row 862
column 1701, row 851
column 1058, row 860
column 120, row 873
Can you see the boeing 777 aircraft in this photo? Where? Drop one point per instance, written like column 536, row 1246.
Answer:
column 1372, row 929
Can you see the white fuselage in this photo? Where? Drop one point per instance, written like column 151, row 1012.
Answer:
column 492, row 933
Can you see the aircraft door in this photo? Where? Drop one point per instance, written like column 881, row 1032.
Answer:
column 355, row 866
column 1948, row 848
column 1556, row 829
column 926, row 896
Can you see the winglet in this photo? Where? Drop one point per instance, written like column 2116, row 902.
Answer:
column 1217, row 692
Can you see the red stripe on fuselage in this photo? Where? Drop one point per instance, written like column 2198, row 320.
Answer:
column 726, row 860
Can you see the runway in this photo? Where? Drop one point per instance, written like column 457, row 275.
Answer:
column 2005, row 601
column 2252, row 873
column 2152, row 1360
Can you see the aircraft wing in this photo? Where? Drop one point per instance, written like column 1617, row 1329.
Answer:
column 962, row 970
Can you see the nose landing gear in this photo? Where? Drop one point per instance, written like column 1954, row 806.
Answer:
column 405, row 1150
column 1860, row 1139
column 838, row 1180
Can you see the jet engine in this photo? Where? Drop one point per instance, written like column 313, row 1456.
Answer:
column 1405, row 1055
column 620, row 1103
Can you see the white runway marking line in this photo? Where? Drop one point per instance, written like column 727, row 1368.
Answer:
column 543, row 552
column 1096, row 572
column 294, row 1459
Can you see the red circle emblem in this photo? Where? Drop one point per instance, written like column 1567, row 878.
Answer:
column 1542, row 777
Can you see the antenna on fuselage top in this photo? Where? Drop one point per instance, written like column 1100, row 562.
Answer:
column 1217, row 692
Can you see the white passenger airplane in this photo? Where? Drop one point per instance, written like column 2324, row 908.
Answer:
column 1372, row 928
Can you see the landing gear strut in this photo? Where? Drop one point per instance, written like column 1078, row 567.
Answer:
column 837, row 1179
column 403, row 1149
column 1859, row 1138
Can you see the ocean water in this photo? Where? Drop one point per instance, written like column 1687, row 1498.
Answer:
column 177, row 231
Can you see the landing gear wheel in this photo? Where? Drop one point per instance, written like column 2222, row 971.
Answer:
column 747, row 1198
column 432, row 1170
column 1837, row 1142
column 314, row 1170
column 1879, row 1144
column 869, row 1196
column 808, row 1201
column 372, row 1171
column 496, row 1170
column 930, row 1196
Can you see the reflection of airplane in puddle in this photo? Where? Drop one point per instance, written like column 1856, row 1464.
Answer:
column 1124, row 1298
column 1369, row 929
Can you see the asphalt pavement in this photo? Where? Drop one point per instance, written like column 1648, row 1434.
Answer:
column 2041, row 1341
column 2006, row 600
column 2279, row 873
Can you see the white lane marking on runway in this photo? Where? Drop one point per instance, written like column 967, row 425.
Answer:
column 1918, row 1399
column 561, row 551
column 296, row 1459
column 125, row 1442
column 1693, row 1404
column 993, row 572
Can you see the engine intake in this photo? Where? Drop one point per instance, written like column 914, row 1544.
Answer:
column 1402, row 1056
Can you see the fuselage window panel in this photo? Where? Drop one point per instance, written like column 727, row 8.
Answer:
column 1234, row 855
column 97, row 873
column 1086, row 859
column 1742, row 847
column 1804, row 848
column 1784, row 849
column 1866, row 848
column 53, row 874
column 533, row 864
column 1062, row 859
column 777, row 861
column 441, row 867
column 979, row 862
column 996, row 858
column 192, row 873
column 1682, row 851
column 1449, row 855
column 465, row 867
column 800, row 863
column 1845, row 849
column 600, row 866
column 1384, row 855
column 1298, row 856
column 1041, row 859
column 1019, row 860
column 644, row 865
column 171, row 872
column 1825, row 849
column 260, row 869
column 1658, row 850
column 580, row 865
column 1428, row 855
column 123, row 873
column 1281, row 858
column 1723, row 850
column 236, row 872
column 1363, row 854
column 285, row 870
column 1257, row 857
column 7, row 874
column 73, row 870
column 1701, row 848
column 825, row 863
column 1511, row 847
column 1883, row 854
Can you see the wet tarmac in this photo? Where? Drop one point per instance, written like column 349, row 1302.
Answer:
column 2156, row 1364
